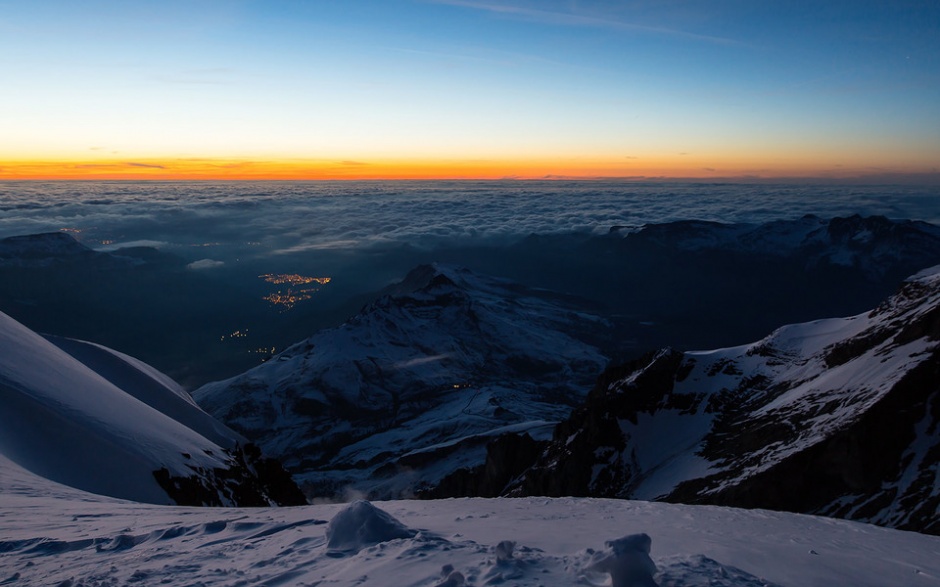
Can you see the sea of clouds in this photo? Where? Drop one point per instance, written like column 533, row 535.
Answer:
column 206, row 220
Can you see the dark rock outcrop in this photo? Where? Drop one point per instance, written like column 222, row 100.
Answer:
column 251, row 480
column 507, row 457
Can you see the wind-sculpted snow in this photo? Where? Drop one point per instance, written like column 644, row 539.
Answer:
column 412, row 387
column 54, row 535
column 67, row 417
column 837, row 416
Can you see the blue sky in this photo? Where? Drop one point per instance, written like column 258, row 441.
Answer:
column 612, row 88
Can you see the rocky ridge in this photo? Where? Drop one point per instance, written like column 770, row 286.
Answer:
column 838, row 417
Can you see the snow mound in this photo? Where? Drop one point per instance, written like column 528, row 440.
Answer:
column 628, row 562
column 362, row 524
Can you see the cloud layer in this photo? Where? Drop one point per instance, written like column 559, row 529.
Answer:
column 275, row 218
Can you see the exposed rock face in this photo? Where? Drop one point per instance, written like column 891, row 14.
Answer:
column 838, row 417
column 414, row 386
column 507, row 457
column 249, row 480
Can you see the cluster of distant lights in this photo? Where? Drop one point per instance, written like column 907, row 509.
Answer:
column 77, row 231
column 287, row 300
column 293, row 279
column 267, row 352
column 236, row 334
column 284, row 300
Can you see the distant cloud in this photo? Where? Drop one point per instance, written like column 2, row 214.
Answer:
column 205, row 264
column 117, row 165
column 155, row 244
column 710, row 169
column 579, row 20
column 352, row 163
column 147, row 165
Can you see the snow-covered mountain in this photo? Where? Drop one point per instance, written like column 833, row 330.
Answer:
column 95, row 419
column 45, row 249
column 838, row 417
column 414, row 386
column 872, row 244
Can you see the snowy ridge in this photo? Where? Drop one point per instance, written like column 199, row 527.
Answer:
column 148, row 385
column 444, row 360
column 67, row 420
column 835, row 416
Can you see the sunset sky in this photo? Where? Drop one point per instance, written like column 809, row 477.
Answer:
column 213, row 89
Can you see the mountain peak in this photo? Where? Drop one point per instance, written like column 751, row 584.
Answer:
column 427, row 276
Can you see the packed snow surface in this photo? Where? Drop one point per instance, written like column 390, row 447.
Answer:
column 55, row 535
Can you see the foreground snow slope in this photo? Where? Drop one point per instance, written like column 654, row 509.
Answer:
column 54, row 535
column 106, row 423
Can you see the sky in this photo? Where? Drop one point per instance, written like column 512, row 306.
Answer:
column 359, row 89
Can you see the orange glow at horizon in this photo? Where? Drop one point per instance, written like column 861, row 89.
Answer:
column 658, row 167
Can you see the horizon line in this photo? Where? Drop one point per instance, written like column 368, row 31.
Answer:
column 926, row 178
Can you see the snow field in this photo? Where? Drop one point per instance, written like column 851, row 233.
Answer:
column 53, row 535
